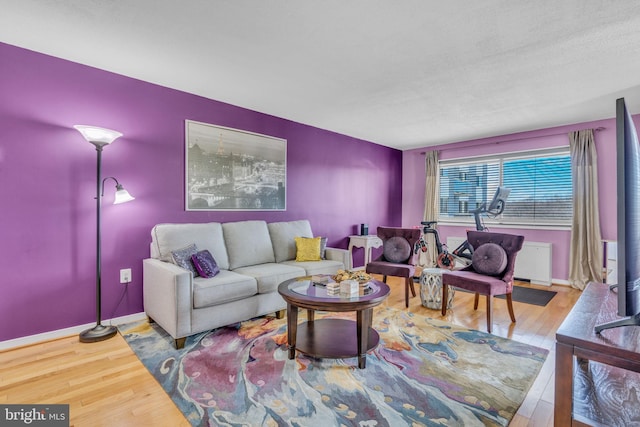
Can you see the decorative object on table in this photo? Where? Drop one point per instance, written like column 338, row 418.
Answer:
column 349, row 287
column 364, row 229
column 333, row 288
column 321, row 278
column 357, row 275
column 241, row 375
column 398, row 258
column 100, row 137
column 431, row 288
column 494, row 275
column 230, row 169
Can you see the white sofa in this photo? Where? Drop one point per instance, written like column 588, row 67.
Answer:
column 254, row 257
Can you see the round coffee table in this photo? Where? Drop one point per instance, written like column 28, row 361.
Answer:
column 331, row 338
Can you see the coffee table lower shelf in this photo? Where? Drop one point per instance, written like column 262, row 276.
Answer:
column 332, row 338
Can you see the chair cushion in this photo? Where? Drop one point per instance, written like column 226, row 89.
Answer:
column 308, row 248
column 489, row 259
column 396, row 249
column 476, row 282
column 390, row 269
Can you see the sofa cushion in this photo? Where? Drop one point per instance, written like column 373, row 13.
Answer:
column 169, row 237
column 248, row 243
column 283, row 235
column 224, row 287
column 182, row 258
column 269, row 276
column 204, row 263
column 308, row 248
column 489, row 259
column 318, row 267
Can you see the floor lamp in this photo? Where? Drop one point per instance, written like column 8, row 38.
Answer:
column 100, row 137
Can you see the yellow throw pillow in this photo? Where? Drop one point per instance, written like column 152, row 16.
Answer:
column 308, row 248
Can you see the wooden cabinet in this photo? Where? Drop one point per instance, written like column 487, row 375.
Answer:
column 597, row 376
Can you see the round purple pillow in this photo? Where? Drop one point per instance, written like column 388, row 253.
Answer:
column 489, row 259
column 397, row 249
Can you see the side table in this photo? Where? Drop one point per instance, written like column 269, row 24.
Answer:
column 431, row 288
column 367, row 242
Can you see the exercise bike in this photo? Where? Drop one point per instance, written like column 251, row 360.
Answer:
column 444, row 259
column 463, row 253
column 496, row 207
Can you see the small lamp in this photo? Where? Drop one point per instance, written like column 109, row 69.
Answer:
column 100, row 137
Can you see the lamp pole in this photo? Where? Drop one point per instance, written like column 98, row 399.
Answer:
column 99, row 137
column 98, row 332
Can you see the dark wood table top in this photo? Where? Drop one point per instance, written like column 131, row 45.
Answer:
column 596, row 306
column 594, row 382
column 303, row 292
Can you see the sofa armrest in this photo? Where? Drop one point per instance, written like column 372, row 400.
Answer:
column 341, row 255
column 168, row 296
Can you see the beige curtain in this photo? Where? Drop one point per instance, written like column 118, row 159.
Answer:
column 431, row 205
column 585, row 257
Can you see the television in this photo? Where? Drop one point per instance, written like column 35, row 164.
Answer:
column 628, row 221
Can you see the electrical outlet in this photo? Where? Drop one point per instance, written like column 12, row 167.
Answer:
column 125, row 275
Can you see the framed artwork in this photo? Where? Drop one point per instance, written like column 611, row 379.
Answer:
column 233, row 170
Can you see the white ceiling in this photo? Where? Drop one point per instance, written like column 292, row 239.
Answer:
column 403, row 74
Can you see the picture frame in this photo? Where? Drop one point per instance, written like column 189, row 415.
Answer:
column 229, row 169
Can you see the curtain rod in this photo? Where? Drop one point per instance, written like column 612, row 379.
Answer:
column 598, row 129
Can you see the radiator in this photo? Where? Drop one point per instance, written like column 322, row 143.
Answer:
column 533, row 262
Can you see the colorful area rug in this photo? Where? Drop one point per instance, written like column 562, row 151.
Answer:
column 423, row 372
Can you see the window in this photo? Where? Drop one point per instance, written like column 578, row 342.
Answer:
column 540, row 184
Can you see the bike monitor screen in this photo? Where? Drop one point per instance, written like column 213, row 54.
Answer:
column 501, row 195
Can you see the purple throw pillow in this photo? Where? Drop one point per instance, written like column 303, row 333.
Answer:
column 205, row 264
column 323, row 247
column 182, row 258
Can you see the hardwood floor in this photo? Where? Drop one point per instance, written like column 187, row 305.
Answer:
column 106, row 385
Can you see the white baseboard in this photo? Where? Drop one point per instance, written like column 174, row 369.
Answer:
column 60, row 333
column 560, row 282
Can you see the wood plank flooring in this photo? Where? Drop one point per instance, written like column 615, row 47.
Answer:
column 106, row 385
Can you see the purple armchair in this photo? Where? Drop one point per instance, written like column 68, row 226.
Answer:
column 398, row 258
column 491, row 272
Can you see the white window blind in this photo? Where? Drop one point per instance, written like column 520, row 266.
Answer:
column 540, row 184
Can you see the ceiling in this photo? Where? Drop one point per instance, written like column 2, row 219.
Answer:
column 403, row 74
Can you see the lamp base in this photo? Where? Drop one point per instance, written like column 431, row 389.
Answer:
column 98, row 333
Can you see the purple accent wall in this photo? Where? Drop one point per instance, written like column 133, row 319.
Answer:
column 414, row 170
column 48, row 172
